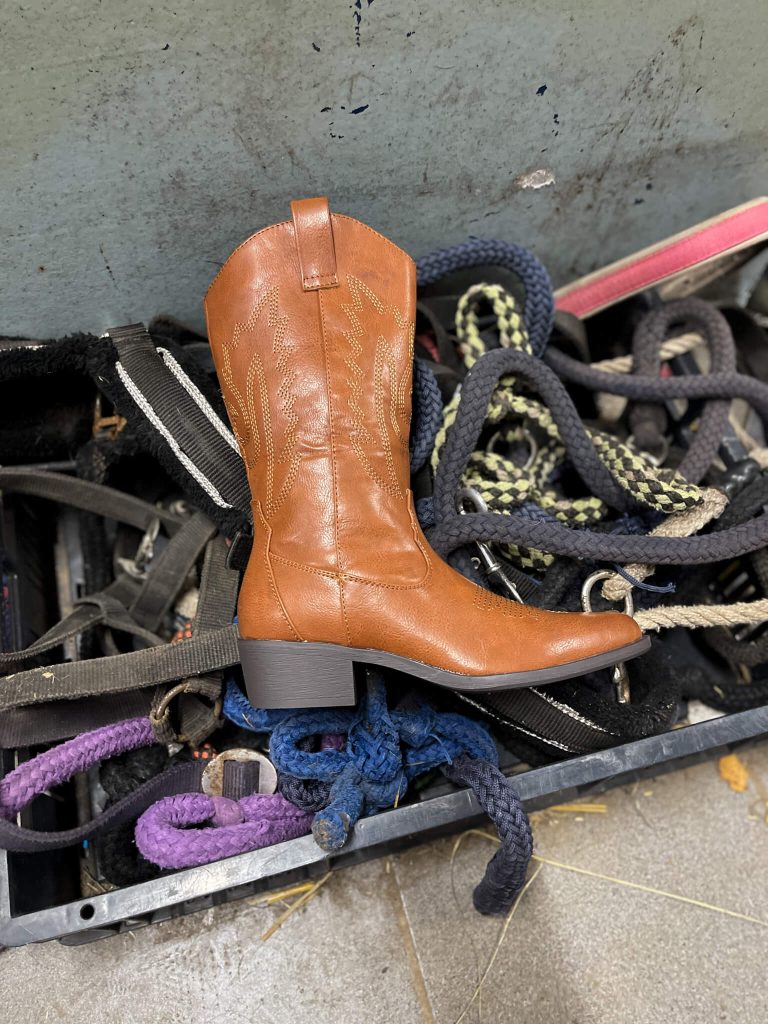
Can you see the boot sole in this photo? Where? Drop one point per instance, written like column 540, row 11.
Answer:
column 290, row 674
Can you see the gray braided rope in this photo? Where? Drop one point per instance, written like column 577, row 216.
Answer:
column 452, row 530
column 648, row 420
column 710, row 385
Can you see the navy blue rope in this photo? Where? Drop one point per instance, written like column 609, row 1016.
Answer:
column 427, row 414
column 384, row 750
column 539, row 309
column 652, row 588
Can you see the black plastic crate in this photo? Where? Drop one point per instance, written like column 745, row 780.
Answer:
column 77, row 921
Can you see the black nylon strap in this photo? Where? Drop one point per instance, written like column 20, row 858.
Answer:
column 182, row 779
column 529, row 711
column 199, row 655
column 167, row 399
column 104, row 501
column 106, row 608
column 219, row 586
column 50, row 723
column 23, row 725
column 169, row 571
column 240, row 778
column 215, row 608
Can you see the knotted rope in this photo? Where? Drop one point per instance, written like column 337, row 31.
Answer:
column 190, row 829
column 164, row 834
column 384, row 750
column 453, row 530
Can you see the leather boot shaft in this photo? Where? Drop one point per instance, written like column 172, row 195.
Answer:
column 311, row 326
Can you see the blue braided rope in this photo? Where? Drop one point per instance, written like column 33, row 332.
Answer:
column 386, row 748
column 539, row 309
column 505, row 874
column 239, row 710
column 427, row 414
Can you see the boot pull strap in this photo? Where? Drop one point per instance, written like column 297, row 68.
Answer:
column 314, row 243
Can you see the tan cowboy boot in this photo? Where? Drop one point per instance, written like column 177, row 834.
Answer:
column 311, row 325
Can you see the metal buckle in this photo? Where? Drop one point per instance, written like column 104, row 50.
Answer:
column 655, row 460
column 212, row 782
column 159, row 715
column 106, row 426
column 619, row 675
column 491, row 565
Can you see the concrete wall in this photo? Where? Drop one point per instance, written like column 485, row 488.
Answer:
column 144, row 141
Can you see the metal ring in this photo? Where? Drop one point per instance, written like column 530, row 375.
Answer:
column 529, row 439
column 212, row 783
column 590, row 581
column 655, row 460
column 468, row 495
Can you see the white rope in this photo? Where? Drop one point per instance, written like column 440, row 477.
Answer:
column 669, row 349
column 611, row 407
column 700, row 616
column 679, row 524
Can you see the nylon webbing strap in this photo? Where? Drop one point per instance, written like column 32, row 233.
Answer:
column 533, row 713
column 199, row 655
column 169, row 571
column 28, row 726
column 179, row 413
column 103, row 501
column 182, row 779
column 219, row 586
column 215, row 609
column 106, row 609
column 149, row 601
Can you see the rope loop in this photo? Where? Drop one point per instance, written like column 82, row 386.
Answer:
column 383, row 750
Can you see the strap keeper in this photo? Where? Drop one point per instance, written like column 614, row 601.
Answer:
column 314, row 243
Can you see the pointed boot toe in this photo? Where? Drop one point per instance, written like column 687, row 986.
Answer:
column 311, row 328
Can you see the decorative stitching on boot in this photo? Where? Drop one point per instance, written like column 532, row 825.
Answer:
column 247, row 430
column 360, row 435
column 333, row 467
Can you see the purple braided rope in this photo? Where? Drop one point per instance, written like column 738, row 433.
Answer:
column 164, row 835
column 54, row 766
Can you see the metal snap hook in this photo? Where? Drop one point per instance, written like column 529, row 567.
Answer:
column 145, row 552
column 491, row 565
column 619, row 675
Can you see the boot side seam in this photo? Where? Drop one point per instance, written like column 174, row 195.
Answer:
column 271, row 575
column 324, row 342
column 349, row 577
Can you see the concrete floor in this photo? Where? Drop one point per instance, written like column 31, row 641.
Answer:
column 397, row 940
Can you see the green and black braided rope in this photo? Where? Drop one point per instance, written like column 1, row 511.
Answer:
column 504, row 484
